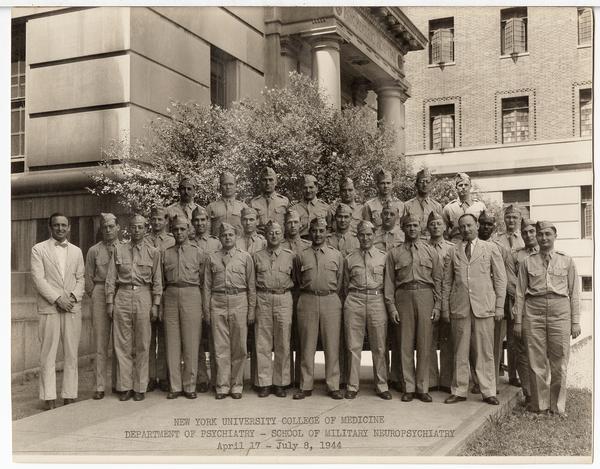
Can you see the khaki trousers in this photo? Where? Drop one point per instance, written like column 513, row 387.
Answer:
column 131, row 333
column 206, row 346
column 479, row 331
column 319, row 314
column 157, row 364
column 547, row 332
column 363, row 311
column 52, row 329
column 516, row 351
column 102, row 329
column 415, row 307
column 183, row 326
column 229, row 328
column 273, row 330
column 442, row 340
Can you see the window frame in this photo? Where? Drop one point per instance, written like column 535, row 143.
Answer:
column 580, row 12
column 591, row 112
column 436, row 25
column 515, row 109
column 17, row 100
column 510, row 13
column 511, row 197
column 450, row 107
column 587, row 210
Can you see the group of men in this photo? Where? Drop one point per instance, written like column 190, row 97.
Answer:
column 415, row 277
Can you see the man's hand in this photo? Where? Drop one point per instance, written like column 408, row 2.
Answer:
column 435, row 315
column 110, row 308
column 64, row 304
column 395, row 318
column 499, row 315
column 575, row 330
column 518, row 330
column 154, row 313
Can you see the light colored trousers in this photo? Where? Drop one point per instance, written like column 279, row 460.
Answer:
column 368, row 312
column 547, row 332
column 102, row 327
column 203, row 376
column 319, row 314
column 272, row 332
column 183, row 328
column 229, row 328
column 131, row 335
column 52, row 329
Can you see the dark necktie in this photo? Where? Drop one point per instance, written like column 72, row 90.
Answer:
column 468, row 250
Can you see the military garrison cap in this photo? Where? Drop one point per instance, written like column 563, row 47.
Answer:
column 309, row 178
column 199, row 211
column 106, row 217
column 318, row 222
column 363, row 225
column 226, row 176
column 268, row 171
column 160, row 211
column 184, row 179
column 345, row 181
column 272, row 225
column 424, row 173
column 179, row 220
column 343, row 209
column 137, row 218
column 485, row 216
column 542, row 225
column 248, row 211
column 434, row 216
column 382, row 174
column 525, row 222
column 410, row 218
column 511, row 209
column 291, row 213
column 225, row 227
column 462, row 177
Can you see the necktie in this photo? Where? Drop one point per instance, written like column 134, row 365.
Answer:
column 59, row 244
column 546, row 260
column 510, row 240
column 468, row 250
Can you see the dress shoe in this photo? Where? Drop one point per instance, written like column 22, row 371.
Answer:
column 236, row 395
column 173, row 395
column 139, row 396
column 514, row 382
column 263, row 391
column 385, row 395
column 67, row 401
column 350, row 394
column 151, row 386
column 423, row 397
column 220, row 396
column 202, row 387
column 126, row 395
column 302, row 394
column 280, row 391
column 98, row 395
column 453, row 399
column 445, row 389
column 407, row 397
column 50, row 404
column 337, row 394
column 163, row 386
column 475, row 389
column 493, row 400
column 190, row 395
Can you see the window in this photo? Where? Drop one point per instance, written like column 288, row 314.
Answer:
column 518, row 198
column 584, row 26
column 515, row 119
column 587, row 209
column 223, row 73
column 585, row 112
column 17, row 98
column 441, row 41
column 513, row 30
column 586, row 284
column 441, row 126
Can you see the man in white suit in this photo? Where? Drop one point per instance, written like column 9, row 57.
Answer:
column 58, row 275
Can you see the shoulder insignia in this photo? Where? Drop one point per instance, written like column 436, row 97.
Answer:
column 287, row 250
column 562, row 253
column 380, row 250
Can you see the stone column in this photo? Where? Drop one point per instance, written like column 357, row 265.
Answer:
column 289, row 59
column 391, row 97
column 326, row 67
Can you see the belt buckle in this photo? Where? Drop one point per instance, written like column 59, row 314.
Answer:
column 318, row 292
column 135, row 287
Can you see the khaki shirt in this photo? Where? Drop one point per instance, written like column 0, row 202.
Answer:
column 421, row 208
column 535, row 279
column 179, row 209
column 357, row 211
column 309, row 210
column 268, row 208
column 160, row 241
column 412, row 262
column 225, row 211
column 510, row 241
column 320, row 268
column 184, row 264
column 442, row 247
column 387, row 240
column 364, row 269
column 134, row 264
column 274, row 269
column 251, row 244
column 517, row 257
column 96, row 264
column 208, row 243
column 297, row 245
column 455, row 209
column 372, row 210
column 343, row 242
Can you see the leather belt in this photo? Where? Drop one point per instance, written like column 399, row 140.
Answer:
column 99, row 282
column 129, row 286
column 414, row 286
column 231, row 291
column 274, row 291
column 319, row 292
column 548, row 295
column 182, row 285
column 366, row 291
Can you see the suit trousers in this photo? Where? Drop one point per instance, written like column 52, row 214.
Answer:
column 547, row 331
column 442, row 340
column 52, row 329
column 319, row 314
column 183, row 327
column 272, row 331
column 415, row 307
column 102, row 329
column 366, row 312
column 131, row 334
column 229, row 328
column 480, row 331
column 157, row 365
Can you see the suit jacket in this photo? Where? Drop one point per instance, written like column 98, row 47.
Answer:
column 48, row 281
column 478, row 284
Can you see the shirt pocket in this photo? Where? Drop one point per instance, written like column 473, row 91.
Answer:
column 558, row 275
column 280, row 210
column 426, row 263
column 170, row 267
column 144, row 268
column 377, row 273
column 238, row 275
column 403, row 263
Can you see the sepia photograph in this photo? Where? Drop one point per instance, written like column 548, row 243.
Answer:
column 301, row 234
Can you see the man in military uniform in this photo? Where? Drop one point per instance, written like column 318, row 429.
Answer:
column 465, row 203
column 320, row 272
column 274, row 305
column 373, row 208
column 311, row 206
column 422, row 205
column 473, row 293
column 229, row 301
column 96, row 266
column 161, row 239
column 343, row 239
column 270, row 205
column 442, row 338
column 511, row 239
column 413, row 297
column 389, row 234
column 182, row 264
column 546, row 314
column 186, row 205
column 227, row 209
column 205, row 241
column 250, row 240
column 133, row 294
column 364, row 308
column 348, row 197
